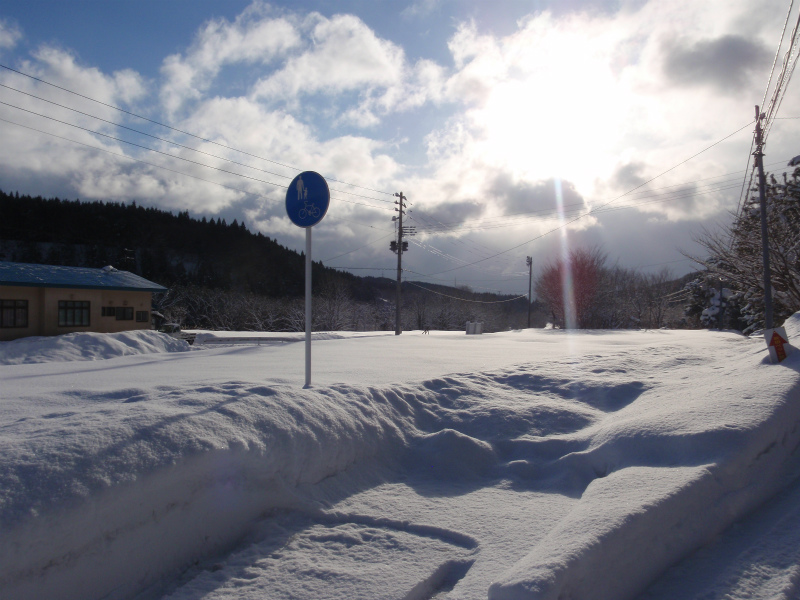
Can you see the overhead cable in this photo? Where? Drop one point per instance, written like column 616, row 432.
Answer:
column 376, row 240
column 464, row 299
column 602, row 206
column 127, row 112
column 155, row 137
column 163, row 168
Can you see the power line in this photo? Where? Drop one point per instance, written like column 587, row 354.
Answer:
column 747, row 168
column 599, row 210
column 163, row 168
column 355, row 222
column 127, row 112
column 669, row 262
column 111, row 137
column 464, row 299
column 139, row 160
column 470, row 282
column 383, row 237
column 486, row 223
column 278, row 185
column 777, row 53
column 513, row 220
column 362, row 268
column 171, row 142
column 785, row 75
column 606, row 204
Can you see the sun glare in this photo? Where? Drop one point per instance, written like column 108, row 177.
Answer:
column 559, row 117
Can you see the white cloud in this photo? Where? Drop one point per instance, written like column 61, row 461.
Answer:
column 253, row 37
column 60, row 67
column 10, row 34
column 578, row 95
column 46, row 157
column 345, row 62
column 600, row 101
column 344, row 54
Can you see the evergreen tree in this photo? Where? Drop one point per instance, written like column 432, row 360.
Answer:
column 735, row 253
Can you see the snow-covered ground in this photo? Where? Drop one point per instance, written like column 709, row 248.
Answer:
column 526, row 464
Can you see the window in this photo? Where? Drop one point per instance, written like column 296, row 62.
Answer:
column 73, row 313
column 13, row 313
column 142, row 316
column 124, row 313
column 108, row 311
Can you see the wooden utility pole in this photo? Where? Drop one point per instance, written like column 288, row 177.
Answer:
column 398, row 292
column 762, row 195
column 529, row 261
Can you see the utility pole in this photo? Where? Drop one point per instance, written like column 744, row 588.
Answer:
column 762, row 195
column 398, row 247
column 529, row 262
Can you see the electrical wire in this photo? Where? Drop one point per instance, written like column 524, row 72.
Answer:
column 272, row 183
column 777, row 52
column 782, row 81
column 763, row 101
column 517, row 220
column 675, row 195
column 362, row 268
column 464, row 299
column 163, row 168
column 376, row 240
column 469, row 282
column 486, row 223
column 604, row 205
column 127, row 112
column 171, row 142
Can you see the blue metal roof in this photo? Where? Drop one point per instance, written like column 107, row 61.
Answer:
column 107, row 278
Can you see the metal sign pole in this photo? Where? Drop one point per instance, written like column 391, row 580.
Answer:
column 307, row 201
column 308, row 307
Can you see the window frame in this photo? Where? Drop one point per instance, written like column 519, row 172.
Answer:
column 19, row 313
column 142, row 316
column 74, row 313
column 124, row 313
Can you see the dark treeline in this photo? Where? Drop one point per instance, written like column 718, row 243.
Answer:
column 222, row 276
column 163, row 247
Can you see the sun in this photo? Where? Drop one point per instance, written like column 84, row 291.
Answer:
column 558, row 113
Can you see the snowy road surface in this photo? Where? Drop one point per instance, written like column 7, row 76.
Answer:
column 530, row 464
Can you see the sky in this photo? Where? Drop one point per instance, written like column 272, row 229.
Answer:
column 502, row 123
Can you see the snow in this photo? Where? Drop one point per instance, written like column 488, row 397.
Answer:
column 532, row 464
column 86, row 346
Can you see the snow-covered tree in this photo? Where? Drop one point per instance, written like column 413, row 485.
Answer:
column 735, row 252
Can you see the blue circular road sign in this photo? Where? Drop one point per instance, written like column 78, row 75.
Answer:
column 307, row 199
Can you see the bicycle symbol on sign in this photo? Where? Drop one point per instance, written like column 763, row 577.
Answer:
column 308, row 210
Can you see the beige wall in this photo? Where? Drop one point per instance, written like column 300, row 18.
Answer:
column 43, row 310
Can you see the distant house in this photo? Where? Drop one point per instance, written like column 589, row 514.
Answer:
column 51, row 300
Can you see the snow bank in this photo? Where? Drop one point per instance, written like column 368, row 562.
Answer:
column 87, row 346
column 583, row 468
column 113, row 495
column 656, row 484
column 203, row 337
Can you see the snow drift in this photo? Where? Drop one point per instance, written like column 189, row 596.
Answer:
column 87, row 346
column 552, row 465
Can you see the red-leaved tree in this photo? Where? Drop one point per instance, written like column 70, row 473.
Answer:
column 569, row 287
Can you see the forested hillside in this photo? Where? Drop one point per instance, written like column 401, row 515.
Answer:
column 166, row 248
column 222, row 276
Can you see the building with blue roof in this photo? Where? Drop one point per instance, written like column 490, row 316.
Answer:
column 52, row 300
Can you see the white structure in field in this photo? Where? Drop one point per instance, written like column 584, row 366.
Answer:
column 475, row 328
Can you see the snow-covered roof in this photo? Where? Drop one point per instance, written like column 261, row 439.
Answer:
column 107, row 278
